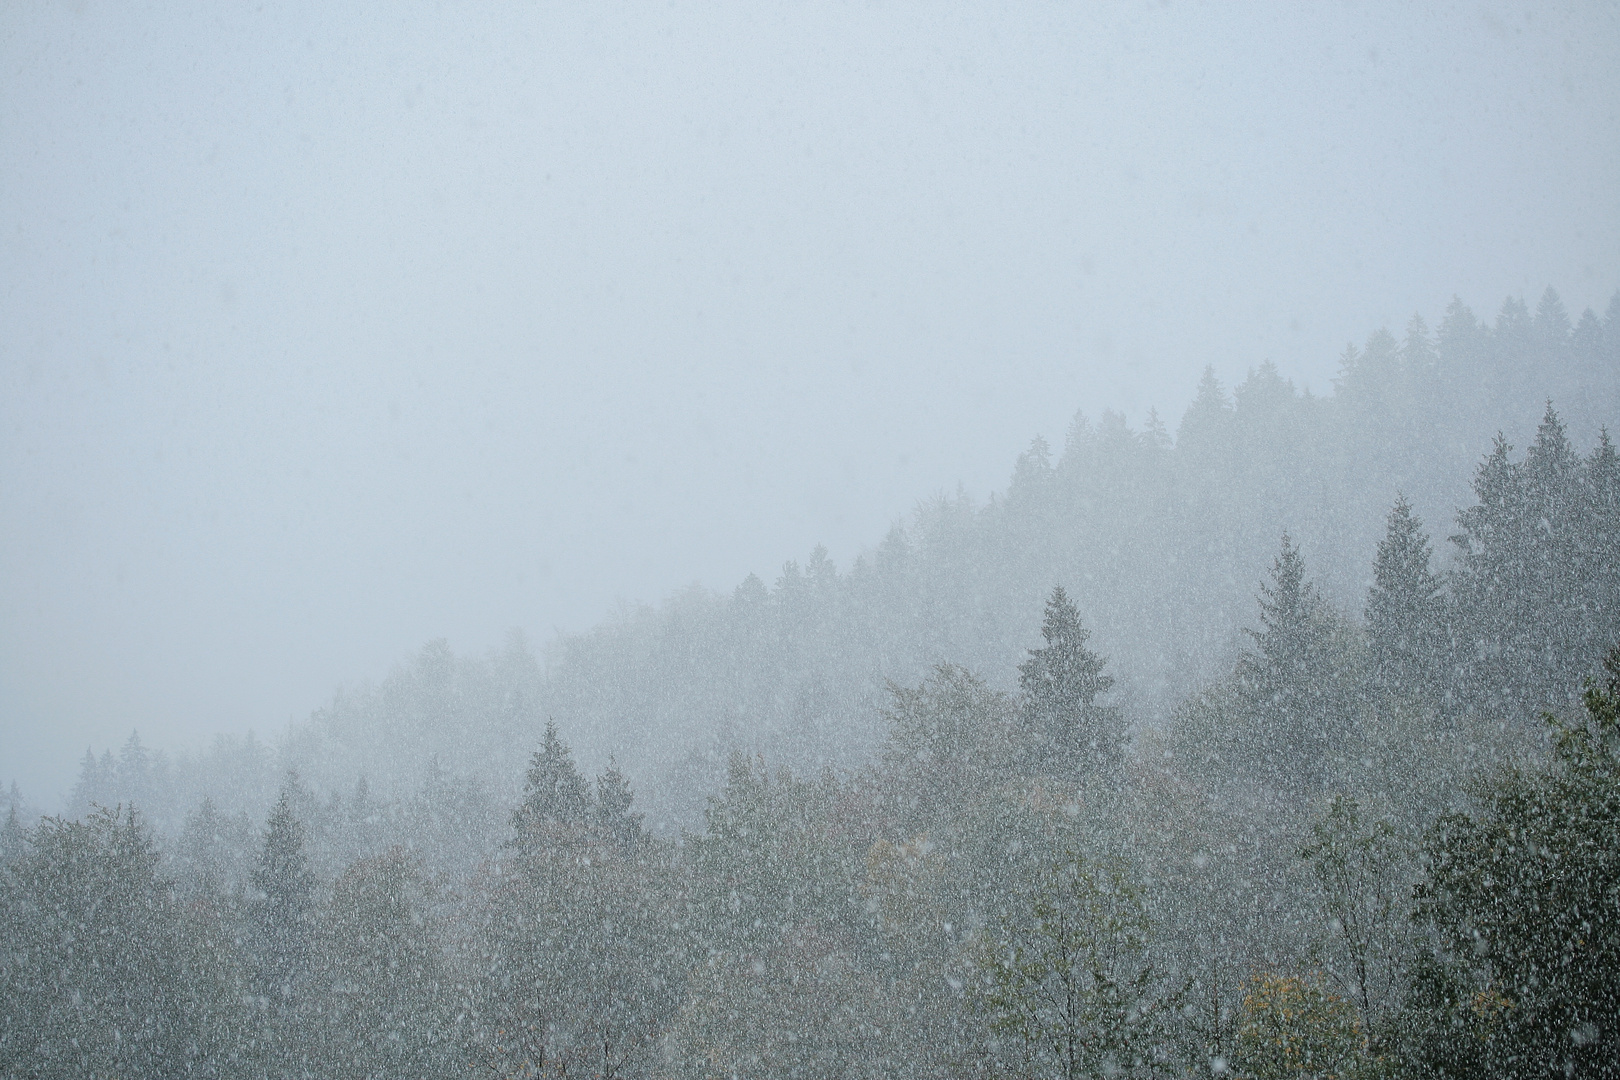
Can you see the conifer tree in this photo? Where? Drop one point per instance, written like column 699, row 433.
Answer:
column 1531, row 612
column 102, row 973
column 553, row 790
column 1206, row 425
column 1292, row 689
column 1418, row 353
column 1405, row 609
column 1059, row 685
column 613, row 801
column 285, row 885
column 382, row 974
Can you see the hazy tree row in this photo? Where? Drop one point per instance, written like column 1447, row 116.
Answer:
column 1294, row 875
column 1273, row 785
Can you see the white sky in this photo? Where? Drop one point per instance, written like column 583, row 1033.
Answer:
column 329, row 332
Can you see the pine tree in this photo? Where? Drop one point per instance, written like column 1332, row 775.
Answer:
column 1290, row 637
column 1406, row 609
column 285, row 886
column 1296, row 703
column 613, row 801
column 381, row 972
column 1206, row 425
column 1418, row 353
column 553, row 791
column 1598, row 540
column 1586, row 349
column 199, row 854
column 1551, row 327
column 1529, row 604
column 1059, row 685
column 1032, row 471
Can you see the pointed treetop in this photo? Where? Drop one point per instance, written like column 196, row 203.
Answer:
column 553, row 790
column 1550, row 458
column 1552, row 320
column 1418, row 350
column 1065, row 666
column 1289, row 607
column 1210, row 393
column 1514, row 318
column 1065, row 727
column 1404, row 589
column 283, row 873
column 1034, row 465
column 614, row 800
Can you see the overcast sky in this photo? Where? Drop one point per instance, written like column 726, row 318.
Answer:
column 326, row 332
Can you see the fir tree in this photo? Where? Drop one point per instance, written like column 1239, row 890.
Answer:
column 1059, row 685
column 1405, row 609
column 1293, row 692
column 1418, row 354
column 1531, row 606
column 285, row 886
column 553, row 791
column 613, row 801
column 1206, row 425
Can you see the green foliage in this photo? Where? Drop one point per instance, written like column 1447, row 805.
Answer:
column 1290, row 716
column 1067, row 731
column 1068, row 980
column 285, row 886
column 1523, row 900
column 1537, row 587
column 102, row 972
column 391, row 999
column 771, row 857
column 581, row 956
column 1406, row 611
column 553, row 791
column 1363, row 872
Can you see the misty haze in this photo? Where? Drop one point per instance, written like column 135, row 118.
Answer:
column 863, row 540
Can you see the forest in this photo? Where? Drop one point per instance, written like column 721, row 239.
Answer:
column 1284, row 746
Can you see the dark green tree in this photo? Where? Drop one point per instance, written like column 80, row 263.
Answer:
column 1522, row 898
column 614, row 800
column 1067, row 730
column 390, row 1002
column 284, row 886
column 1533, row 609
column 554, row 794
column 102, row 971
column 1299, row 719
column 1406, row 610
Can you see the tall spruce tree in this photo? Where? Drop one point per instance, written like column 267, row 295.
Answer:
column 614, row 800
column 286, row 887
column 1531, row 609
column 1060, row 683
column 1406, row 610
column 553, row 791
column 1294, row 695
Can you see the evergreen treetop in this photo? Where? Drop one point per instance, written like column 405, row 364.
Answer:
column 553, row 790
